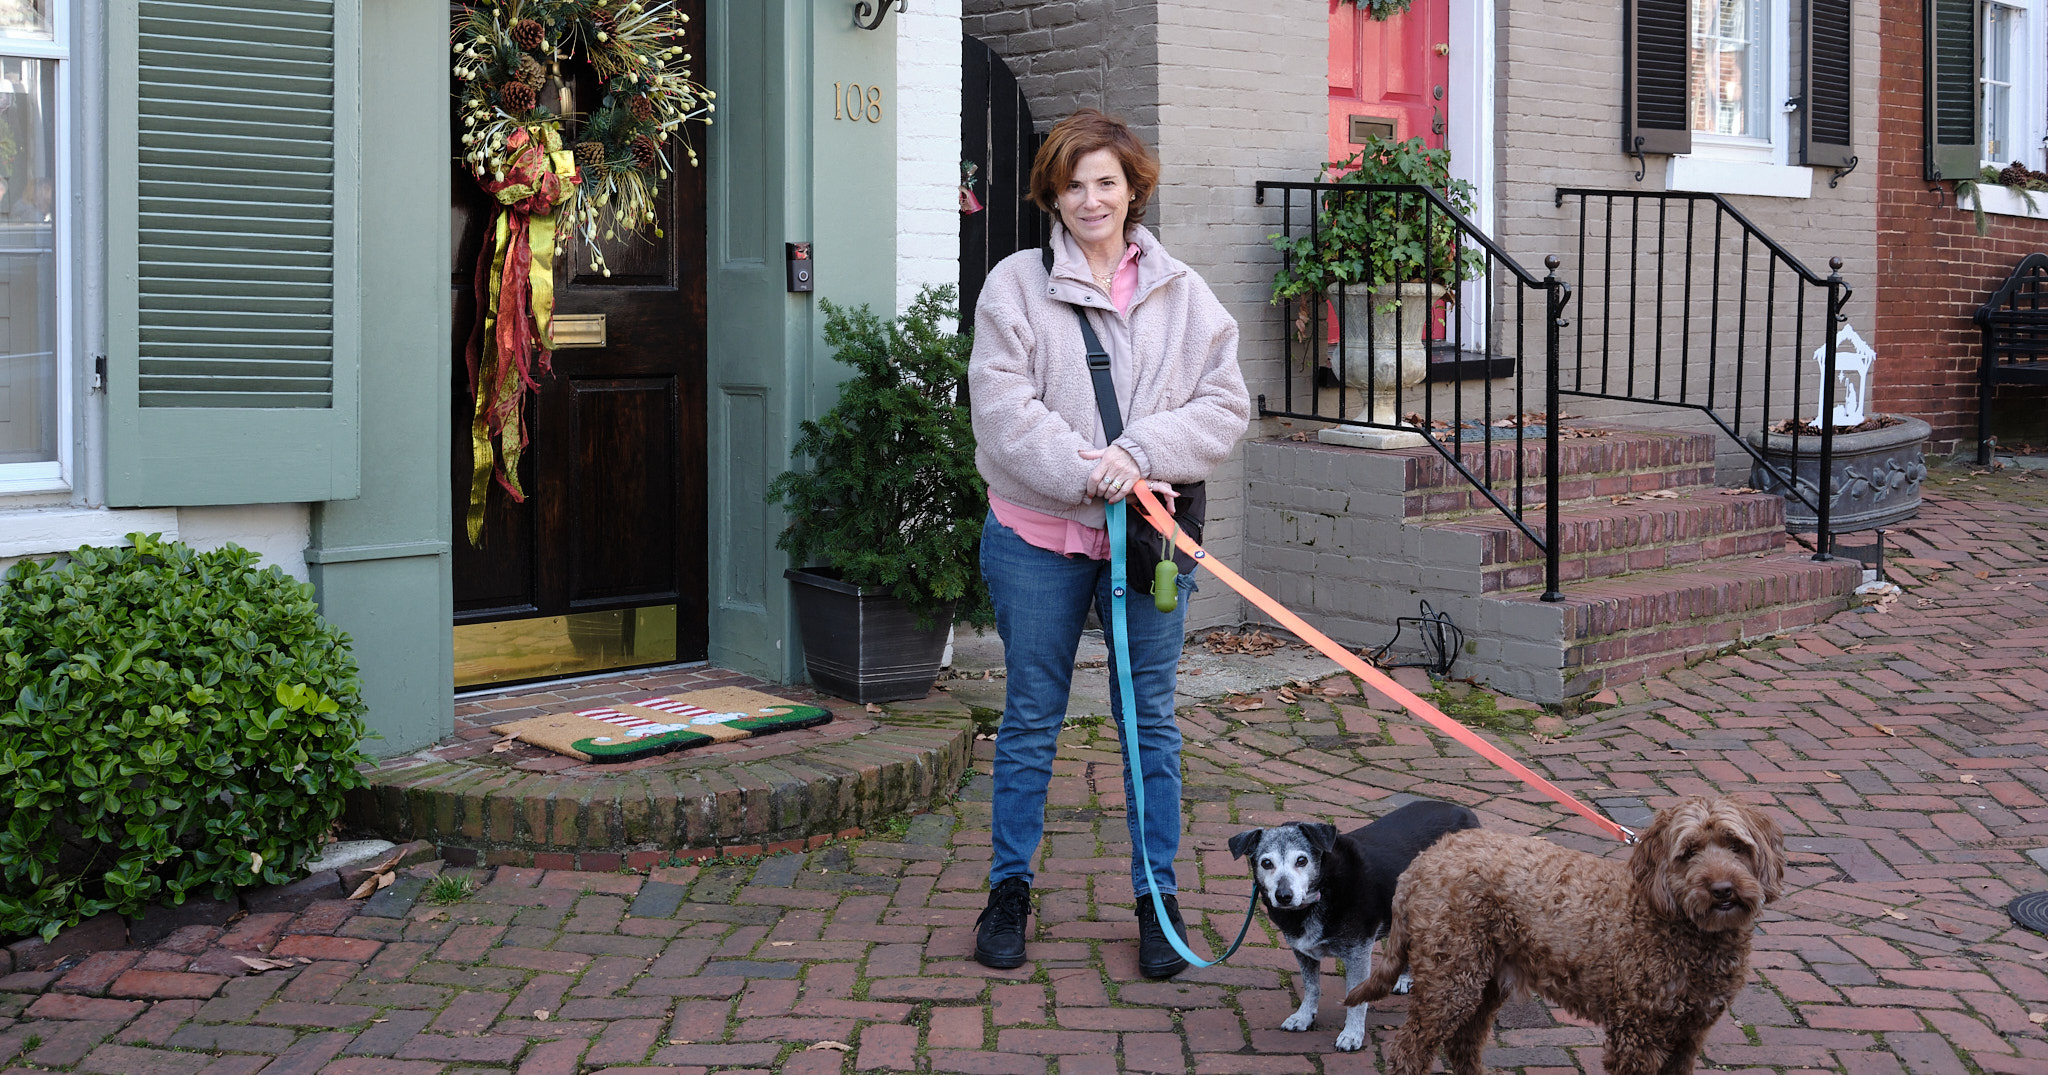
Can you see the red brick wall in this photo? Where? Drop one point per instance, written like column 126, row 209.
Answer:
column 1933, row 268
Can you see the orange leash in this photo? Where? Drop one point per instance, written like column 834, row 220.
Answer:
column 1156, row 515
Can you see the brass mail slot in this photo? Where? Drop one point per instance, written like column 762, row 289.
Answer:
column 1364, row 127
column 577, row 330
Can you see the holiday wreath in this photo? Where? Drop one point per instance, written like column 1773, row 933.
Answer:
column 605, row 182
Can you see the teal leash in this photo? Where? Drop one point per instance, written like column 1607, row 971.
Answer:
column 1128, row 720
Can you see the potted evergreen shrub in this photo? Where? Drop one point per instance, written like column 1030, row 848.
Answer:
column 890, row 511
column 1393, row 254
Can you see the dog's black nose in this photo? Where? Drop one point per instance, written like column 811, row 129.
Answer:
column 1283, row 898
column 1722, row 891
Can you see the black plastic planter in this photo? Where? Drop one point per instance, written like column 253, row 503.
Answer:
column 865, row 647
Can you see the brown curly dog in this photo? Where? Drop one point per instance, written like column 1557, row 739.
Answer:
column 1652, row 949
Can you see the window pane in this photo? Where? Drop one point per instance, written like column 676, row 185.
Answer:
column 25, row 18
column 1727, row 68
column 28, row 261
column 2000, row 24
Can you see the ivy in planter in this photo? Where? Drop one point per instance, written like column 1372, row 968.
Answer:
column 1373, row 239
column 172, row 722
column 893, row 500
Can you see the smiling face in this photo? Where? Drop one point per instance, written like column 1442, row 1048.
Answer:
column 1096, row 201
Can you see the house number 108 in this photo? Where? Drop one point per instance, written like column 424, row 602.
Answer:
column 852, row 101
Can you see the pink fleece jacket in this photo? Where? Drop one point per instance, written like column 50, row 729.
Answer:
column 1185, row 405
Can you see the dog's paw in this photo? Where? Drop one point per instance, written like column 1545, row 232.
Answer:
column 1350, row 1041
column 1404, row 985
column 1300, row 1021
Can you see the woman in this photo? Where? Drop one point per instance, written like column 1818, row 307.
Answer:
column 1039, row 444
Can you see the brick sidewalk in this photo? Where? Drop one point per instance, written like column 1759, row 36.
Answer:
column 1903, row 746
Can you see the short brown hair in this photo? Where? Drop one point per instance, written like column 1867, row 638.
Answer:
column 1080, row 134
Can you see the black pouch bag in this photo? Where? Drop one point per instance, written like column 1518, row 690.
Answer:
column 1144, row 546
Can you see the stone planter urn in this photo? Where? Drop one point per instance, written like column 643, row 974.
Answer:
column 1877, row 475
column 1385, row 344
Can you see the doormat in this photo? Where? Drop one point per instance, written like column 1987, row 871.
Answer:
column 625, row 731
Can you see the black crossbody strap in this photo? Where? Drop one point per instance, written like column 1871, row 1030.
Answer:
column 1098, row 371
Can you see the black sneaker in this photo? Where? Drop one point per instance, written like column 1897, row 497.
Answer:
column 1156, row 955
column 999, row 932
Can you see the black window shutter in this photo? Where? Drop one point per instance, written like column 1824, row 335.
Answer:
column 1825, row 100
column 1951, row 101
column 1654, row 79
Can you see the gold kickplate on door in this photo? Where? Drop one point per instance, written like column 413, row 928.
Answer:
column 577, row 330
column 1364, row 127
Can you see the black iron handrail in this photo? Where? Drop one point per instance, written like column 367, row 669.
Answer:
column 1456, row 297
column 1732, row 359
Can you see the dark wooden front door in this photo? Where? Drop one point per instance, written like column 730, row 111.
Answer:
column 614, row 520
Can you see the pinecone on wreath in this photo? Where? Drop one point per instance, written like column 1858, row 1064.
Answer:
column 590, row 155
column 604, row 24
column 645, row 154
column 2013, row 175
column 529, row 35
column 641, row 108
column 516, row 98
column 532, row 73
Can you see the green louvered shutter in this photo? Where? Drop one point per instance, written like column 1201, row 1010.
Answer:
column 1950, row 108
column 1655, row 80
column 232, row 276
column 1828, row 138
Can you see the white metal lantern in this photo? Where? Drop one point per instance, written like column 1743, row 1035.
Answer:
column 1853, row 359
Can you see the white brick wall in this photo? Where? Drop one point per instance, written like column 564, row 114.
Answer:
column 927, row 147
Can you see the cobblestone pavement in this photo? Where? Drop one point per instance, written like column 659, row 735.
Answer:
column 1902, row 745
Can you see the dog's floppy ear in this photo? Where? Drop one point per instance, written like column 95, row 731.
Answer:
column 1245, row 842
column 1320, row 836
column 1654, row 847
column 1769, row 841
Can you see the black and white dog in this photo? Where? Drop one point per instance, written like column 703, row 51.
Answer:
column 1332, row 895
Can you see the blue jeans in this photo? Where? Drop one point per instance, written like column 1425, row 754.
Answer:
column 1041, row 602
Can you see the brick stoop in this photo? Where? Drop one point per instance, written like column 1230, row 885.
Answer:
column 1659, row 568
column 522, row 806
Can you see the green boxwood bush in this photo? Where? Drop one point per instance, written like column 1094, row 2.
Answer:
column 172, row 722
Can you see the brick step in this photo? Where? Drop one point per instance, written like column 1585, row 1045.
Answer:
column 1613, row 463
column 1621, row 630
column 1603, row 539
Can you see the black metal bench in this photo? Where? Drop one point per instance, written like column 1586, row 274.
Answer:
column 2015, row 324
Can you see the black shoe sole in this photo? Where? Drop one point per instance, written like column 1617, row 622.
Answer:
column 1166, row 971
column 997, row 962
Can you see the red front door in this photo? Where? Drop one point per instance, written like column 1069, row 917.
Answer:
column 1390, row 78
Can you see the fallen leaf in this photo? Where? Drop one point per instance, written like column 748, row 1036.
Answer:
column 541, row 1014
column 1900, row 915
column 1286, row 695
column 363, row 890
column 1885, row 730
column 385, row 880
column 835, row 1046
column 1943, row 926
column 259, row 964
column 780, row 944
column 2039, row 955
column 255, row 862
column 1967, row 778
column 2038, row 1017
column 1983, row 574
column 873, row 708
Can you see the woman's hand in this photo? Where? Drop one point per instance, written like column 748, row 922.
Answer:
column 1114, row 475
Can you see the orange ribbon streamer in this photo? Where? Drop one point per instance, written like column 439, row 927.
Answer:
column 1156, row 515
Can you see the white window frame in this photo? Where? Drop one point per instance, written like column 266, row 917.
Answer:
column 2029, row 82
column 55, row 476
column 2029, row 111
column 1723, row 164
